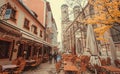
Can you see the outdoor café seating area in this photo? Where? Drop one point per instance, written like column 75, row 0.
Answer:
column 73, row 64
column 19, row 64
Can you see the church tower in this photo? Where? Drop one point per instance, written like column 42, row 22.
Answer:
column 64, row 13
column 76, row 11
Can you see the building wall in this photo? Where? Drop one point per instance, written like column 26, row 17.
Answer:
column 2, row 2
column 37, row 6
column 55, row 33
column 28, row 38
column 20, row 16
column 51, row 26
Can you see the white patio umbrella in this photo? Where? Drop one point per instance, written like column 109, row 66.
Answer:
column 92, row 46
column 91, row 41
column 113, row 50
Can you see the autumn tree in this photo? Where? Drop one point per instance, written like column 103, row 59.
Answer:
column 106, row 12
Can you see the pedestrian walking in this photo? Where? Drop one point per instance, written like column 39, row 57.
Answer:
column 58, row 57
column 55, row 57
column 50, row 57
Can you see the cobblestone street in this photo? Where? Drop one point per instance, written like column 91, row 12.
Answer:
column 44, row 68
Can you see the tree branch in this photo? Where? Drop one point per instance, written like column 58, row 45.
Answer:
column 115, row 29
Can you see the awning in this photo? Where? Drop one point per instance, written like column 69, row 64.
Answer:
column 34, row 38
column 9, row 29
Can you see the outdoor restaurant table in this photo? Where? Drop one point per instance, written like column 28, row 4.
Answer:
column 29, row 62
column 70, row 68
column 111, row 69
column 10, row 68
column 67, row 63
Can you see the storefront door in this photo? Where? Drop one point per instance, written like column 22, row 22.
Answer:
column 4, row 49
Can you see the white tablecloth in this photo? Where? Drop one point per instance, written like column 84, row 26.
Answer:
column 8, row 66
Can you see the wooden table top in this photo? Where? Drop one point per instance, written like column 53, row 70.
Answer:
column 30, row 61
column 70, row 68
column 111, row 68
column 67, row 63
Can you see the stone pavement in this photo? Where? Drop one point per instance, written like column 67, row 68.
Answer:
column 44, row 68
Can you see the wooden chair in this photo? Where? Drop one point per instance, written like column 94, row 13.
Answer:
column 103, row 62
column 58, row 65
column 90, row 67
column 40, row 59
column 36, row 63
column 117, row 63
column 99, row 69
column 108, row 61
column 83, row 64
column 2, row 72
column 21, row 66
column 0, row 69
column 16, row 62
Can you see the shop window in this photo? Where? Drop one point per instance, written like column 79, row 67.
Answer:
column 34, row 29
column 41, row 33
column 26, row 23
column 4, row 49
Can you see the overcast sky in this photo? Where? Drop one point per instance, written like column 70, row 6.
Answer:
column 56, row 9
